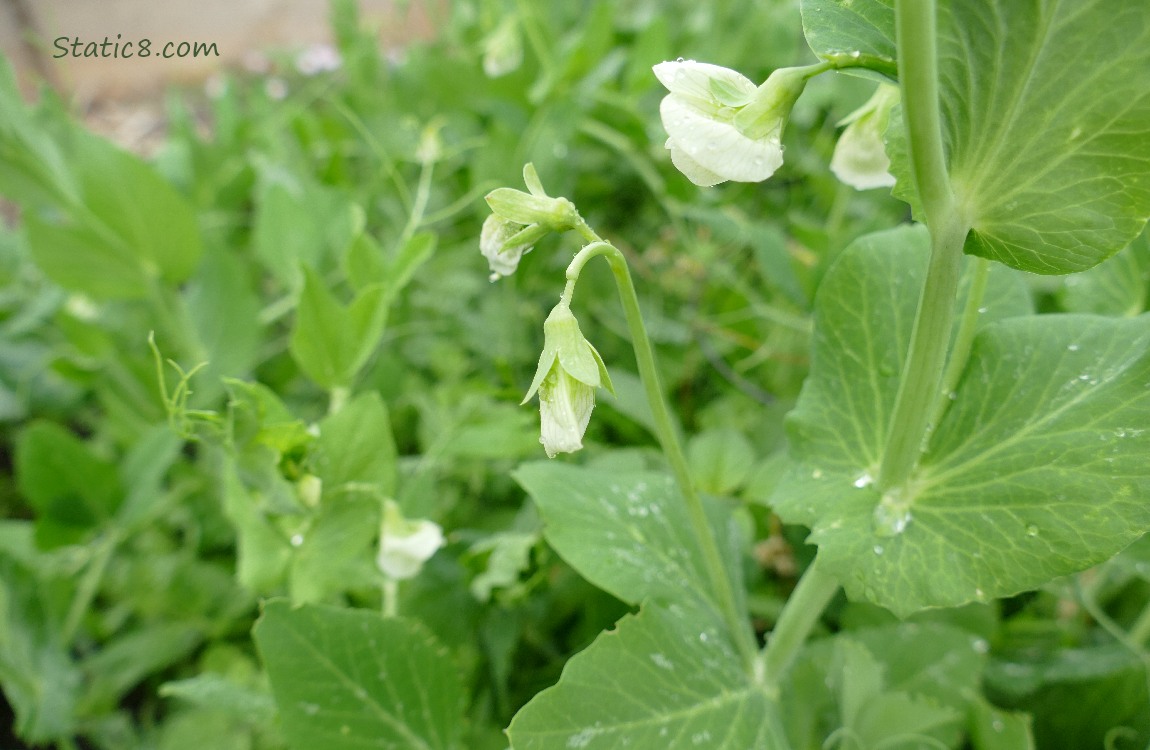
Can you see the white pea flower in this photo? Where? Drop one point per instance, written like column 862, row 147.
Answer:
column 570, row 369
column 503, row 258
column 404, row 546
column 503, row 49
column 860, row 159
column 519, row 220
column 721, row 126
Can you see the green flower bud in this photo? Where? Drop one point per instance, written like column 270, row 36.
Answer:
column 569, row 371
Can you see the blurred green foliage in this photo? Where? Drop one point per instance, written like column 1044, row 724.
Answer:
column 326, row 337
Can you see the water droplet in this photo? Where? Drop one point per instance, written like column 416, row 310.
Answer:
column 1075, row 133
column 297, row 540
column 1072, row 348
column 817, row 474
column 982, row 310
column 864, row 480
column 878, row 549
column 311, row 709
column 1032, row 530
column 953, row 395
column 679, row 60
column 998, row 725
column 892, row 514
column 980, row 645
column 979, row 594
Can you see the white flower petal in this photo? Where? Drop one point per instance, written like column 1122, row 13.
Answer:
column 717, row 146
column 402, row 557
column 495, row 232
column 565, row 407
column 693, row 79
column 691, row 169
column 860, row 159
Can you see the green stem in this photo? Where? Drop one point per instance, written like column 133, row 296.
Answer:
column 964, row 340
column 390, row 597
column 800, row 614
column 88, row 586
column 1140, row 631
column 720, row 578
column 926, row 359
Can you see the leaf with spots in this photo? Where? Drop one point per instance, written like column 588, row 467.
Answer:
column 346, row 679
column 626, row 532
column 664, row 678
column 1037, row 468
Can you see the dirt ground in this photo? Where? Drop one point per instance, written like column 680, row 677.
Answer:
column 79, row 47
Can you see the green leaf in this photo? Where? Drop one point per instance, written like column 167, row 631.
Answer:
column 835, row 27
column 1077, row 696
column 331, row 342
column 355, row 451
column 348, row 679
column 883, row 682
column 1046, row 118
column 664, row 678
column 300, row 222
column 215, row 691
column 144, row 211
column 1120, row 286
column 628, row 532
column 1036, row 470
column 40, row 679
column 73, row 491
column 721, row 460
column 994, row 729
column 334, row 554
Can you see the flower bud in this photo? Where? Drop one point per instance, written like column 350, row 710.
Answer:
column 860, row 159
column 404, row 546
column 720, row 125
column 569, row 371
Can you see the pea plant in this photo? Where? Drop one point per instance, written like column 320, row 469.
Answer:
column 949, row 446
column 836, row 436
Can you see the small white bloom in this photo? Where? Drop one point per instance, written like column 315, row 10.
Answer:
column 503, row 48
column 496, row 231
column 318, row 58
column 720, row 125
column 569, row 371
column 860, row 159
column 404, row 546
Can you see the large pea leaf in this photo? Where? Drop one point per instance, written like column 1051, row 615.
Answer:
column 346, row 679
column 670, row 676
column 665, row 678
column 1036, row 470
column 1045, row 113
column 1120, row 286
column 626, row 532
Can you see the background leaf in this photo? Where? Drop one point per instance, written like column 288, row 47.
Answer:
column 346, row 679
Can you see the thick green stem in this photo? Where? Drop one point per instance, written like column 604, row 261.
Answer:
column 964, row 340
column 922, row 374
column 799, row 615
column 720, row 578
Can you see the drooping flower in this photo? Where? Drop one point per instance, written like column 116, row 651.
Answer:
column 721, row 126
column 519, row 220
column 860, row 160
column 569, row 371
column 404, row 546
column 503, row 257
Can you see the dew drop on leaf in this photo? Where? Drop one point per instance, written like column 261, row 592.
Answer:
column 1032, row 530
